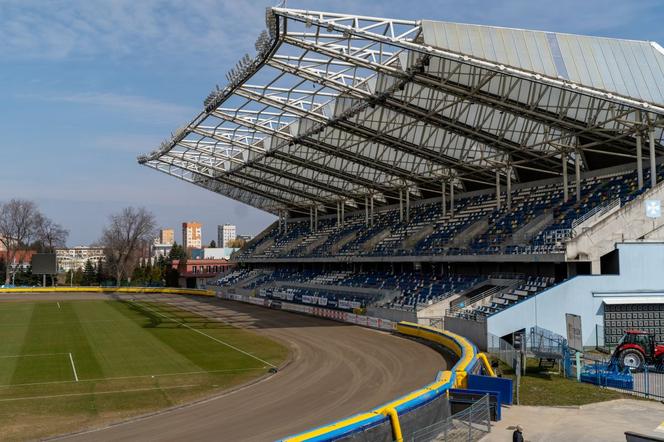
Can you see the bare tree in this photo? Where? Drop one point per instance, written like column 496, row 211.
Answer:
column 18, row 227
column 124, row 239
column 50, row 234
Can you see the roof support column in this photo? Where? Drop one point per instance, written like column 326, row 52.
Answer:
column 316, row 219
column 577, row 175
column 285, row 221
column 366, row 211
column 509, row 187
column 497, row 189
column 653, row 163
column 400, row 204
column 565, row 184
column 311, row 219
column 338, row 215
column 280, row 222
column 371, row 208
column 451, row 199
column 407, row 204
column 639, row 159
column 444, row 201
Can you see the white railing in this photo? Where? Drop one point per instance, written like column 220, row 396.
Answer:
column 599, row 210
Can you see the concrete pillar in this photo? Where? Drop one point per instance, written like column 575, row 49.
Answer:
column 577, row 175
column 497, row 190
column 338, row 215
column 400, row 204
column 366, row 211
column 280, row 223
column 509, row 187
column 311, row 219
column 595, row 267
column 451, row 199
column 372, row 209
column 639, row 159
column 285, row 221
column 407, row 205
column 565, row 185
column 653, row 164
column 343, row 212
column 444, row 202
column 316, row 219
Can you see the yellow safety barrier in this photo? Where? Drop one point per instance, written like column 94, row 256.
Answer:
column 156, row 290
column 455, row 378
column 487, row 366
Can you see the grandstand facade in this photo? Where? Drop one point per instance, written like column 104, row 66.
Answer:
column 424, row 169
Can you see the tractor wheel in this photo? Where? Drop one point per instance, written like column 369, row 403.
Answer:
column 632, row 359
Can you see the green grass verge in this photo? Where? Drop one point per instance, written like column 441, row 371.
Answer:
column 541, row 387
column 129, row 358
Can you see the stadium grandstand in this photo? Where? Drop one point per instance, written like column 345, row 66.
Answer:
column 427, row 168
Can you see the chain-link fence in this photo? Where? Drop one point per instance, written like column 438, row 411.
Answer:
column 471, row 424
column 502, row 350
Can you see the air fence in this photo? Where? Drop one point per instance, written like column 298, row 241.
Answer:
column 415, row 416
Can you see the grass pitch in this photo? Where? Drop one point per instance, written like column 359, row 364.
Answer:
column 69, row 365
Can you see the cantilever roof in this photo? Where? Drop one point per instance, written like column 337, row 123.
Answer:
column 631, row 68
column 338, row 109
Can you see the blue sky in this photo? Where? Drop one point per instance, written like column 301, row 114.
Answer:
column 86, row 86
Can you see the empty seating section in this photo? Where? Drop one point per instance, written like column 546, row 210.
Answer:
column 477, row 226
column 413, row 289
column 499, row 301
column 233, row 277
column 317, row 297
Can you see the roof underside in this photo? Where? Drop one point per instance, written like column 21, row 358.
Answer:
column 340, row 109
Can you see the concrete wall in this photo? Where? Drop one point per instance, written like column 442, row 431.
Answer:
column 641, row 274
column 391, row 314
column 626, row 224
column 474, row 330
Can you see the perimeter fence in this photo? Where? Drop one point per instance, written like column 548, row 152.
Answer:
column 469, row 425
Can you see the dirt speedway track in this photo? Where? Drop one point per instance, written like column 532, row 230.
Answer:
column 335, row 371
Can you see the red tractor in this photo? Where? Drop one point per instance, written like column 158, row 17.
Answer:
column 637, row 348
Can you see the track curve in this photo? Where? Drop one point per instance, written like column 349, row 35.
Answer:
column 336, row 370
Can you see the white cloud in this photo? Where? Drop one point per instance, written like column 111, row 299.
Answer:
column 143, row 108
column 32, row 29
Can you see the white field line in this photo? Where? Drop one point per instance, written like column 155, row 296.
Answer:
column 73, row 367
column 117, row 378
column 58, row 305
column 32, row 355
column 132, row 390
column 211, row 337
column 92, row 321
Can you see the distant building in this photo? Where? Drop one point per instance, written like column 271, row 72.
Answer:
column 218, row 252
column 167, row 236
column 199, row 272
column 20, row 261
column 74, row 258
column 158, row 249
column 225, row 234
column 162, row 244
column 192, row 237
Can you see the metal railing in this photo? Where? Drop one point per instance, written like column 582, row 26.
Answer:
column 606, row 372
column 544, row 343
column 502, row 350
column 471, row 424
column 599, row 210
